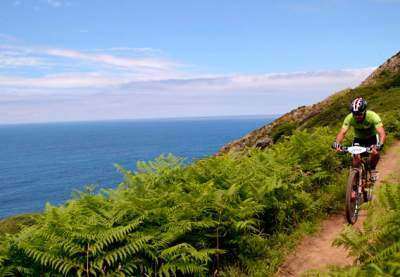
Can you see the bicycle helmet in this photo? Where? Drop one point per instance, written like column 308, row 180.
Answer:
column 359, row 105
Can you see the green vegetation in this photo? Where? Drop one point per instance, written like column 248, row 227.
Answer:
column 285, row 129
column 15, row 223
column 230, row 215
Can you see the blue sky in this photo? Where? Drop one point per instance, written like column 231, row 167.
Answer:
column 70, row 60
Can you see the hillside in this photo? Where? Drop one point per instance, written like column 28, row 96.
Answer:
column 385, row 80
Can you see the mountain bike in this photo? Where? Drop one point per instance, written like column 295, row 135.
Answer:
column 359, row 183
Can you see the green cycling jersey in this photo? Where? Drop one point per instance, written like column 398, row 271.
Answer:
column 365, row 129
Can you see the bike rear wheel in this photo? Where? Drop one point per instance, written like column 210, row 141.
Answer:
column 353, row 197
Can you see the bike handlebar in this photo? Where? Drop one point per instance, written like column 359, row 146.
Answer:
column 354, row 149
column 346, row 149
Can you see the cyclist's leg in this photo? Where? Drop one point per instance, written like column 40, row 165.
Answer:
column 375, row 154
column 374, row 159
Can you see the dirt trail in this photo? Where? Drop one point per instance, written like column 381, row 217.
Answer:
column 316, row 251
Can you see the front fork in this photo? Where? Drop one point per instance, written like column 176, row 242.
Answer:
column 364, row 175
column 357, row 165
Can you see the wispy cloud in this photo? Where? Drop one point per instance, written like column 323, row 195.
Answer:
column 147, row 51
column 268, row 83
column 39, row 3
column 7, row 60
column 100, row 67
column 54, row 3
column 90, row 97
column 55, row 84
column 73, row 81
column 124, row 62
column 142, row 63
column 57, row 3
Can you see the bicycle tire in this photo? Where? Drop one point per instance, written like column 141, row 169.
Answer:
column 352, row 204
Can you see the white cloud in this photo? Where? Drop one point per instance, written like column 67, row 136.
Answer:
column 124, row 62
column 118, row 83
column 143, row 62
column 54, row 3
column 40, row 3
column 77, row 97
column 58, row 3
column 73, row 81
column 141, row 50
column 15, row 61
column 269, row 83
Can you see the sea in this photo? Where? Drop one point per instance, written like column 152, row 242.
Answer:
column 42, row 163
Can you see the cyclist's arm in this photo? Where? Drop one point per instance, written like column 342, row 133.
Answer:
column 379, row 127
column 382, row 135
column 345, row 127
column 340, row 136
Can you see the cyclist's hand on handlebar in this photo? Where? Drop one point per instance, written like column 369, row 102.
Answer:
column 378, row 147
column 337, row 146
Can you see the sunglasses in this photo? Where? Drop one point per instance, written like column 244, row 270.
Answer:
column 358, row 114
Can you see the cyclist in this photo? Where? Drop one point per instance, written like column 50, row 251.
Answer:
column 368, row 132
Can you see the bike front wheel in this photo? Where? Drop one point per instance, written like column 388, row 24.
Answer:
column 353, row 197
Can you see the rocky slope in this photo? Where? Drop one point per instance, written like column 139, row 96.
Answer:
column 390, row 68
column 329, row 111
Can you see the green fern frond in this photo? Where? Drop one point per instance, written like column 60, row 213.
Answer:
column 171, row 269
column 390, row 198
column 250, row 225
column 120, row 254
column 63, row 265
column 386, row 253
column 118, row 233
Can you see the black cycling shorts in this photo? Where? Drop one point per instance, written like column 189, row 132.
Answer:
column 366, row 142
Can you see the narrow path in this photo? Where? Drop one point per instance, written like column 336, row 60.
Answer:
column 316, row 251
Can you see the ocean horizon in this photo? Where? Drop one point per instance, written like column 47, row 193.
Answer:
column 46, row 162
column 146, row 119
